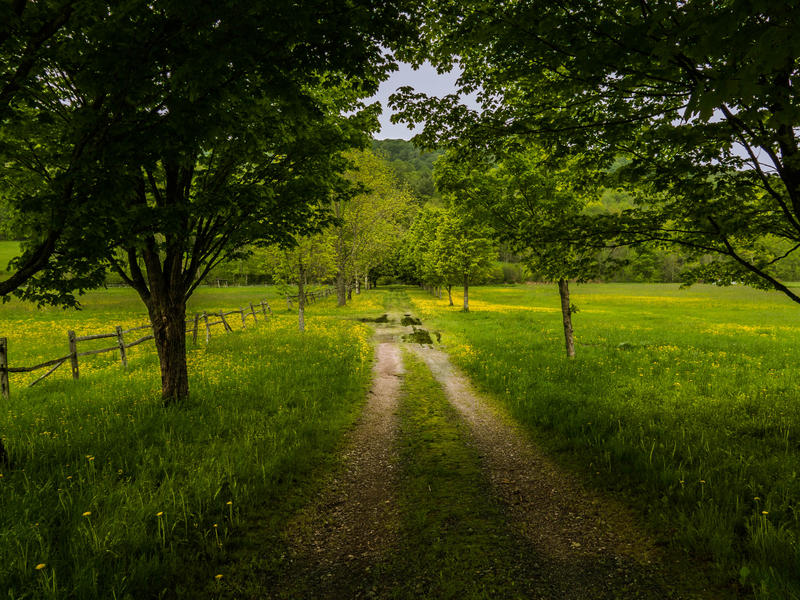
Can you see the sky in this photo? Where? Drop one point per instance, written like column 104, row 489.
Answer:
column 425, row 79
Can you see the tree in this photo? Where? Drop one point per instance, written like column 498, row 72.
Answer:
column 308, row 259
column 462, row 250
column 529, row 199
column 53, row 134
column 702, row 98
column 416, row 260
column 369, row 223
column 225, row 123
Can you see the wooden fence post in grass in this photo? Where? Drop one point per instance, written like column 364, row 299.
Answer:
column 288, row 302
column 121, row 343
column 269, row 308
column 194, row 329
column 208, row 327
column 224, row 321
column 263, row 308
column 73, row 353
column 253, row 311
column 5, row 390
column 244, row 324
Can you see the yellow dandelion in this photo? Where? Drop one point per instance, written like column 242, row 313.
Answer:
column 756, row 498
column 229, row 502
column 40, row 566
column 87, row 513
column 764, row 512
column 215, row 524
column 160, row 513
column 218, row 576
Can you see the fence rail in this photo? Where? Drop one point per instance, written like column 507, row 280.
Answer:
column 310, row 297
column 121, row 346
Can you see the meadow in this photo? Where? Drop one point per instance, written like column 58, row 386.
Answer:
column 683, row 401
column 114, row 496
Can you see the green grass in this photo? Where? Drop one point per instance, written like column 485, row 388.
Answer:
column 683, row 401
column 121, row 498
column 8, row 250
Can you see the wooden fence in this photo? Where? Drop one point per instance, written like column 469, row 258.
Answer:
column 120, row 345
column 310, row 297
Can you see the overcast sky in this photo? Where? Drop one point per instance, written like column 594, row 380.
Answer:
column 425, row 79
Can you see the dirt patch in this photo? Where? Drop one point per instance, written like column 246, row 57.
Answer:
column 355, row 521
column 588, row 546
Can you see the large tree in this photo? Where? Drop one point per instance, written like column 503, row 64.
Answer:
column 222, row 126
column 702, row 98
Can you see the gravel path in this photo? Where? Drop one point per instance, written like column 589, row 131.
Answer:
column 588, row 547
column 354, row 523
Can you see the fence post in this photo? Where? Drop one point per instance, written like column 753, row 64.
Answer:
column 194, row 330
column 269, row 308
column 73, row 353
column 244, row 324
column 263, row 309
column 208, row 327
column 224, row 321
column 288, row 302
column 253, row 311
column 5, row 389
column 121, row 343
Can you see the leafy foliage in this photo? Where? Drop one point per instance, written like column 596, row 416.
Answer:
column 701, row 101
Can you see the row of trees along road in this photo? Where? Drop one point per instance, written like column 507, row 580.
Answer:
column 444, row 247
column 161, row 138
column 524, row 196
column 362, row 234
column 701, row 100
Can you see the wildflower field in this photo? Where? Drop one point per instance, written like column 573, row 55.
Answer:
column 685, row 402
column 682, row 402
column 114, row 496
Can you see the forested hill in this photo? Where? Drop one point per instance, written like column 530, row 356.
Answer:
column 411, row 165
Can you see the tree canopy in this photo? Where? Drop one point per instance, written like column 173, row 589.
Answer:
column 162, row 138
column 700, row 98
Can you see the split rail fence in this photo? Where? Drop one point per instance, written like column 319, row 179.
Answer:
column 121, row 345
column 311, row 297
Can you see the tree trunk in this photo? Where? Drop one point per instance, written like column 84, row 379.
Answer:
column 466, row 293
column 4, row 460
column 169, row 329
column 349, row 291
column 366, row 283
column 566, row 316
column 358, row 285
column 450, row 293
column 341, row 289
column 301, row 300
